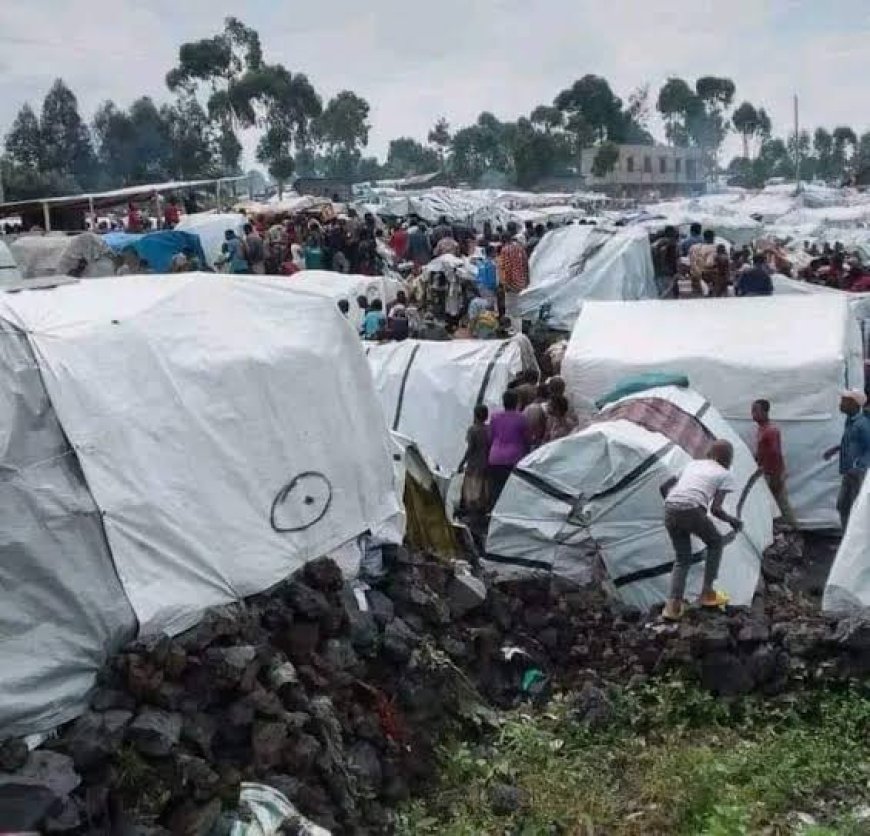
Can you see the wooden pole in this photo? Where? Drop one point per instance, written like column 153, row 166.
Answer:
column 797, row 147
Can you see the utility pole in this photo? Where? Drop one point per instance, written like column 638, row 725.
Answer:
column 797, row 147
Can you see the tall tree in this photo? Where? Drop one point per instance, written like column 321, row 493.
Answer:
column 862, row 161
column 823, row 148
column 228, row 67
column 66, row 142
column 845, row 142
column 24, row 140
column 745, row 121
column 343, row 131
column 407, row 156
column 709, row 125
column 547, row 117
column 291, row 107
column 192, row 140
column 439, row 137
column 678, row 104
column 593, row 112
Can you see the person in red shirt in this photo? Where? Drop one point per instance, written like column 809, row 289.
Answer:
column 134, row 219
column 771, row 464
column 171, row 214
column 399, row 242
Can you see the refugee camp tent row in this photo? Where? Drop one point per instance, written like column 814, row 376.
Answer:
column 848, row 586
column 576, row 263
column 797, row 352
column 172, row 443
column 597, row 496
column 428, row 390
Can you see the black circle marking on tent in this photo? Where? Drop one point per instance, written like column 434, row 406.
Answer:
column 307, row 500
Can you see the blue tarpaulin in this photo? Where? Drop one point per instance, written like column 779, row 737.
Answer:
column 157, row 248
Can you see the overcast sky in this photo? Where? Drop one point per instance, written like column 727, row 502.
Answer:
column 416, row 61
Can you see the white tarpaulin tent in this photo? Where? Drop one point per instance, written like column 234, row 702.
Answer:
column 337, row 286
column 9, row 272
column 38, row 254
column 211, row 227
column 848, row 585
column 428, row 390
column 215, row 455
column 859, row 303
column 58, row 255
column 582, row 262
column 797, row 352
column 596, row 495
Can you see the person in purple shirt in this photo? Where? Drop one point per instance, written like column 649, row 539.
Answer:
column 509, row 431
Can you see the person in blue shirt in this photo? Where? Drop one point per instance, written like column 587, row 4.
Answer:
column 374, row 323
column 235, row 254
column 755, row 281
column 695, row 237
column 487, row 276
column 854, row 450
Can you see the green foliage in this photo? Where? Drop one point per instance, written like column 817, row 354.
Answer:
column 605, row 160
column 407, row 156
column 440, row 137
column 672, row 760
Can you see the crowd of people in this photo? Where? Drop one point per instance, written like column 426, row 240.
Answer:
column 534, row 412
column 714, row 267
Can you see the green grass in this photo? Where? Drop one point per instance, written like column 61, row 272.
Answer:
column 672, row 761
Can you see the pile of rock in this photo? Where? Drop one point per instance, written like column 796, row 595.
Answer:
column 337, row 695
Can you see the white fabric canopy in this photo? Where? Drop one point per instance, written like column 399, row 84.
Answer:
column 596, row 494
column 9, row 271
column 428, row 390
column 210, row 227
column 219, row 451
column 38, row 254
column 581, row 262
column 848, row 585
column 347, row 286
column 797, row 352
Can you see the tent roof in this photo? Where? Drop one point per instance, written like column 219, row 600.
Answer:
column 110, row 198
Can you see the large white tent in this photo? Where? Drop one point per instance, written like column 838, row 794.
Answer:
column 581, row 262
column 859, row 303
column 798, row 352
column 596, row 495
column 173, row 443
column 428, row 390
column 848, row 585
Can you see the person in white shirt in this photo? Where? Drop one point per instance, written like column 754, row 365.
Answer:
column 703, row 485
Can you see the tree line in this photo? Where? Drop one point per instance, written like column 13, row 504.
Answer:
column 222, row 85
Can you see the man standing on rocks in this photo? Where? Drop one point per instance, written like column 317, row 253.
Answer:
column 854, row 450
column 768, row 455
column 703, row 484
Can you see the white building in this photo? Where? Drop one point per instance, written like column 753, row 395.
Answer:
column 644, row 169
